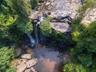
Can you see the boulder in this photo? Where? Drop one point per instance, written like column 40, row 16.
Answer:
column 28, row 70
column 18, row 51
column 21, row 67
column 31, row 63
column 26, row 56
column 33, row 69
column 60, row 27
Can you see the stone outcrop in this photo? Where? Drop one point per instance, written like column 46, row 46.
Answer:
column 26, row 56
column 58, row 8
column 89, row 16
column 25, row 64
column 61, row 27
column 65, row 8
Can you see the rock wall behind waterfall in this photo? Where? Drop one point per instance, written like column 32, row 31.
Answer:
column 65, row 7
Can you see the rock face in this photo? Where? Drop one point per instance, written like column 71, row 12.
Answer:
column 58, row 8
column 65, row 8
column 89, row 16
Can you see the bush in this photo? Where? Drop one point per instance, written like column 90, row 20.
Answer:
column 85, row 59
column 86, row 39
column 85, row 49
column 6, row 55
column 71, row 67
column 11, row 69
column 5, row 22
column 46, row 28
column 34, row 3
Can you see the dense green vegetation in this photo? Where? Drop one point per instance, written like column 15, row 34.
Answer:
column 72, row 67
column 6, row 55
column 83, row 53
column 85, row 49
column 14, row 23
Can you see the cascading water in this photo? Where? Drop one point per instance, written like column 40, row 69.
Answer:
column 36, row 30
column 32, row 41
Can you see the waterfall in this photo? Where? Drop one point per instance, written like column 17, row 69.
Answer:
column 36, row 29
column 36, row 32
column 32, row 41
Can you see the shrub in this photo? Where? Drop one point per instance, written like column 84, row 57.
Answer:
column 71, row 67
column 5, row 22
column 85, row 49
column 11, row 69
column 6, row 55
column 85, row 59
column 62, row 39
column 86, row 39
column 46, row 28
column 34, row 3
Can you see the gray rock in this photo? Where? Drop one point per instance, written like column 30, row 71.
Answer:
column 18, row 51
column 61, row 27
column 58, row 8
column 31, row 63
column 33, row 70
column 28, row 70
column 89, row 16
column 26, row 56
column 65, row 7
column 21, row 67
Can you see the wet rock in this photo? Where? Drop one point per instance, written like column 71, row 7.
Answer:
column 26, row 56
column 31, row 63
